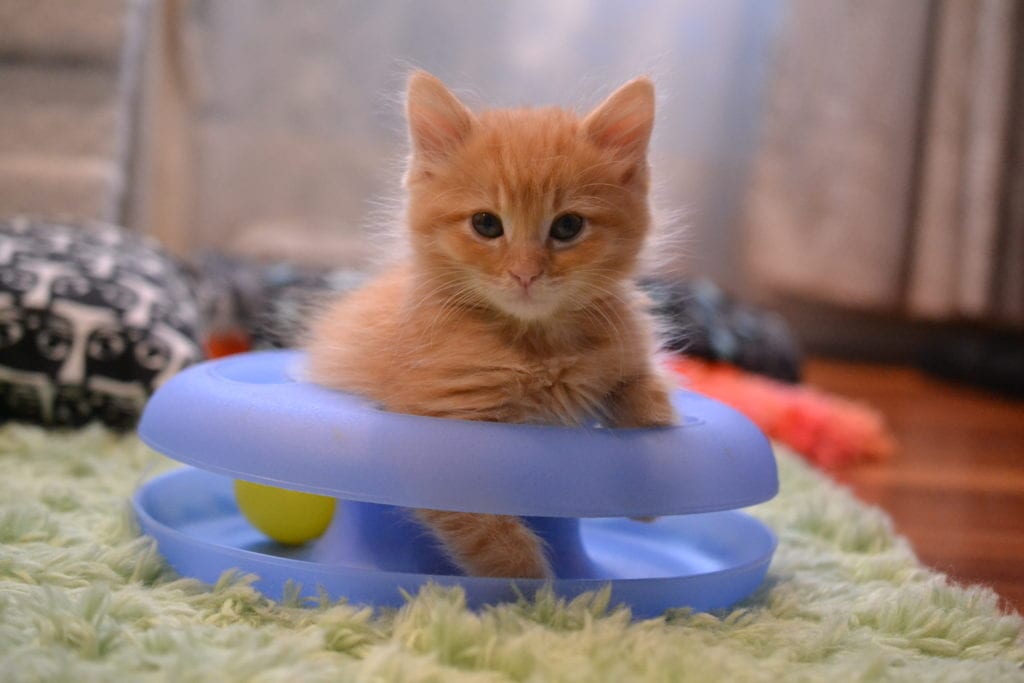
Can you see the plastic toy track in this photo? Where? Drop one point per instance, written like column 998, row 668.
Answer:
column 248, row 417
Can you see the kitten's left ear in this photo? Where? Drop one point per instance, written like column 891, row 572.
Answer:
column 624, row 121
column 438, row 121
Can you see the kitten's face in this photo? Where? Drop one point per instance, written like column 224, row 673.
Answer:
column 530, row 212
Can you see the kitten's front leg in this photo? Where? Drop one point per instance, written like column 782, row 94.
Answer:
column 489, row 545
column 642, row 401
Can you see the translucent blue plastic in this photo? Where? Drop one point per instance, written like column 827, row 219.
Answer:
column 247, row 417
column 370, row 556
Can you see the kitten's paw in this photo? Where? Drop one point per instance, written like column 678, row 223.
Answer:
column 644, row 402
column 519, row 561
column 489, row 545
column 516, row 568
column 657, row 413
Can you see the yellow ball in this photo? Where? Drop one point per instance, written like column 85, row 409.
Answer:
column 287, row 516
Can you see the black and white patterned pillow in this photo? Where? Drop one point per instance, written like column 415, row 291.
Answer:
column 92, row 320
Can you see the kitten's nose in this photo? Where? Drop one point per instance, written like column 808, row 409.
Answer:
column 524, row 276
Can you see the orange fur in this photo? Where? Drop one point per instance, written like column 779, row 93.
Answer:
column 518, row 328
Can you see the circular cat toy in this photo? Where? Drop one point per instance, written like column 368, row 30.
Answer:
column 249, row 418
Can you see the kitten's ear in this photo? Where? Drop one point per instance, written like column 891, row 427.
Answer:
column 624, row 121
column 438, row 121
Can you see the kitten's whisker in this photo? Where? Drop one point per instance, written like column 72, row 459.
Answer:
column 616, row 324
column 597, row 184
column 457, row 305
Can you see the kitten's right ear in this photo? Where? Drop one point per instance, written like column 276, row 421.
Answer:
column 623, row 122
column 438, row 121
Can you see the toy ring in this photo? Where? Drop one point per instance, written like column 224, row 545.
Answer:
column 248, row 417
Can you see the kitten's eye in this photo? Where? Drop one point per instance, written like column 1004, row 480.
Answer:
column 487, row 225
column 566, row 227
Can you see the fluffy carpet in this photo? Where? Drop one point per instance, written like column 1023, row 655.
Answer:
column 83, row 598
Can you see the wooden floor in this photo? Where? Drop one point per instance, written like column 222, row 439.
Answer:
column 956, row 487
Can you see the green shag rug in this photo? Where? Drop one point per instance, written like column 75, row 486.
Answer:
column 84, row 598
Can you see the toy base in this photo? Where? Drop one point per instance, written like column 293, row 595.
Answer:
column 703, row 561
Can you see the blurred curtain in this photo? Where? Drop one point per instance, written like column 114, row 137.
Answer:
column 294, row 121
column 890, row 175
column 69, row 87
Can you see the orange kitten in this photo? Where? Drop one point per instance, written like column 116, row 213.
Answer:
column 517, row 303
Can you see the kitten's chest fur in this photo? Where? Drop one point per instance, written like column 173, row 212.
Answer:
column 514, row 384
column 470, row 367
column 476, row 372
